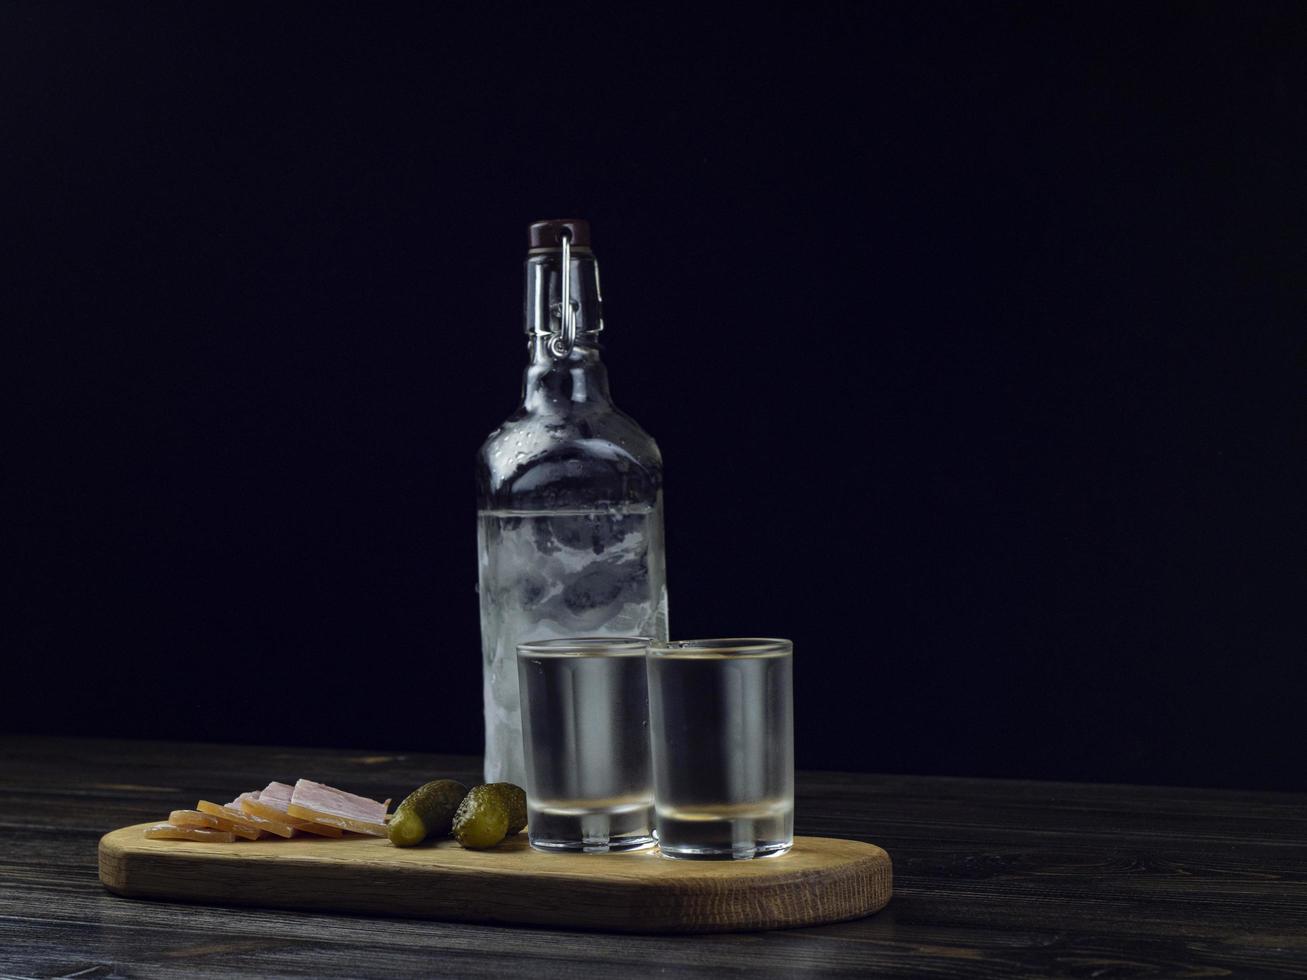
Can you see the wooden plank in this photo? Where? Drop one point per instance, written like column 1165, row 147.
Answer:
column 149, row 939
column 821, row 880
column 992, row 878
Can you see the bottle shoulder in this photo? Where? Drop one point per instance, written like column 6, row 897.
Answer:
column 603, row 432
column 581, row 458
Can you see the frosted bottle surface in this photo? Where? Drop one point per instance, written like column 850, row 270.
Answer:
column 569, row 499
column 547, row 575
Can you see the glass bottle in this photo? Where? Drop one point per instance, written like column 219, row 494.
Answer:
column 569, row 496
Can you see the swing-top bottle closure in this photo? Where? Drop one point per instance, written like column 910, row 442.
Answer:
column 548, row 235
column 568, row 238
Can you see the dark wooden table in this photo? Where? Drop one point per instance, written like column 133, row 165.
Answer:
column 992, row 879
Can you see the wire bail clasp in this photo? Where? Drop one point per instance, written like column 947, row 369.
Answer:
column 562, row 341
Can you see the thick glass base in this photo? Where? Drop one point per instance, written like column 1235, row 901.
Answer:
column 591, row 830
column 733, row 832
column 593, row 846
column 693, row 852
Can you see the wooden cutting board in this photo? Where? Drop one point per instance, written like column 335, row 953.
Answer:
column 820, row 880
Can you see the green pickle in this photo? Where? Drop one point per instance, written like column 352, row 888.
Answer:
column 514, row 799
column 428, row 811
column 482, row 818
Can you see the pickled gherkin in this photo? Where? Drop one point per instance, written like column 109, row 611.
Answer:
column 482, row 818
column 514, row 798
column 428, row 811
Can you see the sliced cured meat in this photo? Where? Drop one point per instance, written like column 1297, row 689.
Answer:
column 168, row 831
column 246, row 820
column 336, row 808
column 194, row 818
column 271, row 804
column 276, row 794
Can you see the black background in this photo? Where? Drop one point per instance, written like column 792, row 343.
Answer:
column 971, row 334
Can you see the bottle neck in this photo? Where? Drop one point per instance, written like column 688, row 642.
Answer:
column 563, row 381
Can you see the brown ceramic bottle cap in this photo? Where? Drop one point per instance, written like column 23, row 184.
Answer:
column 548, row 234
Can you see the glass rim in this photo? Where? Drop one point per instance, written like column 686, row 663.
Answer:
column 585, row 646
column 744, row 646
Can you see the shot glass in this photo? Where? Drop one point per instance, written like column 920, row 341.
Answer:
column 586, row 740
column 722, row 733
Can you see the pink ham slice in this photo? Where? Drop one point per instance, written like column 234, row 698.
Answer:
column 271, row 804
column 276, row 794
column 336, row 808
column 233, row 813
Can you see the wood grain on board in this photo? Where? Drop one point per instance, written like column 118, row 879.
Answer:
column 820, row 880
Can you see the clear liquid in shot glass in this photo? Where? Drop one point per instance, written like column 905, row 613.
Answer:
column 589, row 786
column 723, row 749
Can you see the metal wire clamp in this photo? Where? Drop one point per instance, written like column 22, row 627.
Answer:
column 562, row 342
